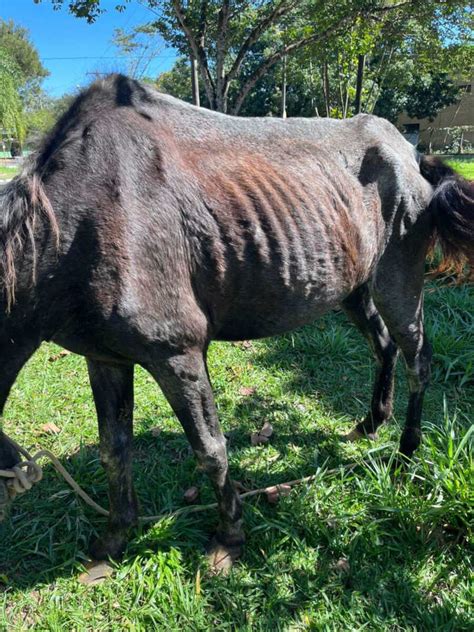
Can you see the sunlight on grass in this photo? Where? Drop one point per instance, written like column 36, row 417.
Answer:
column 463, row 167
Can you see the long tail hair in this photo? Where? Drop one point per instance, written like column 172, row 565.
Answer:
column 22, row 203
column 452, row 208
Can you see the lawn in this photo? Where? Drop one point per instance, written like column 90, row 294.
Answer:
column 356, row 549
column 7, row 172
column 464, row 167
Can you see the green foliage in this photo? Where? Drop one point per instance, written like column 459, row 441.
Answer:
column 464, row 167
column 239, row 46
column 11, row 108
column 420, row 95
column 15, row 41
column 21, row 72
column 42, row 113
column 90, row 10
column 428, row 96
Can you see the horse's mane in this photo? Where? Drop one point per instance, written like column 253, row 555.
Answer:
column 23, row 202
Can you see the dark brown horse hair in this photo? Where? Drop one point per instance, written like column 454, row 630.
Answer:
column 452, row 208
column 22, row 202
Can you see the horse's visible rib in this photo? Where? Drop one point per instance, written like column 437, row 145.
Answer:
column 282, row 207
column 268, row 223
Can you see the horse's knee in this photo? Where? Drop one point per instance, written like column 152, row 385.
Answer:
column 213, row 459
column 419, row 368
column 387, row 356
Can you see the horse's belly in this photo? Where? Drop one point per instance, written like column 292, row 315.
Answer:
column 270, row 309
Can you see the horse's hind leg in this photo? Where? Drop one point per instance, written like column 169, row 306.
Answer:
column 398, row 294
column 361, row 309
column 184, row 381
column 112, row 387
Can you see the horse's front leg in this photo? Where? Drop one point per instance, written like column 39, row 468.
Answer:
column 184, row 381
column 13, row 356
column 112, row 387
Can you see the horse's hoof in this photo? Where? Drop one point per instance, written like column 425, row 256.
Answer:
column 111, row 546
column 356, row 435
column 221, row 557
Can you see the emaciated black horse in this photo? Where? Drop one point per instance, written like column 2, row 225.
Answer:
column 144, row 228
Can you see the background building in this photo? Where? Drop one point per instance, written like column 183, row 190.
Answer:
column 452, row 130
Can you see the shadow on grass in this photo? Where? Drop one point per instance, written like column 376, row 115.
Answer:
column 49, row 531
column 49, row 528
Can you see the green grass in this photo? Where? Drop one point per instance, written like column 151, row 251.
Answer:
column 8, row 172
column 407, row 540
column 464, row 167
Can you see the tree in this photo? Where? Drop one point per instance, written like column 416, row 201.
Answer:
column 42, row 114
column 177, row 82
column 21, row 73
column 220, row 35
column 238, row 45
column 423, row 64
column 14, row 39
column 11, row 108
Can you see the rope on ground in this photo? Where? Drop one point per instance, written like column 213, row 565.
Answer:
column 22, row 477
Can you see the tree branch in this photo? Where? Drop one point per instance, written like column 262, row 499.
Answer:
column 198, row 51
column 277, row 55
column 221, row 50
column 279, row 11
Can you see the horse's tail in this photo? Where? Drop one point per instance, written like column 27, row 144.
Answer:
column 22, row 202
column 452, row 208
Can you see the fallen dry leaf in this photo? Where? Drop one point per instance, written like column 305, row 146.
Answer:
column 276, row 492
column 95, row 573
column 263, row 435
column 244, row 344
column 191, row 495
column 58, row 356
column 247, row 390
column 266, row 430
column 257, row 439
column 50, row 428
column 342, row 565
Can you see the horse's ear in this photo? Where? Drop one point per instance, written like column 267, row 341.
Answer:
column 434, row 169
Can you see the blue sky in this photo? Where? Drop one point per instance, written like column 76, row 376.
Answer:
column 70, row 48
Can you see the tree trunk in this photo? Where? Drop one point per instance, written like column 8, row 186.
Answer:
column 283, row 90
column 325, row 79
column 195, row 81
column 221, row 98
column 359, row 83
